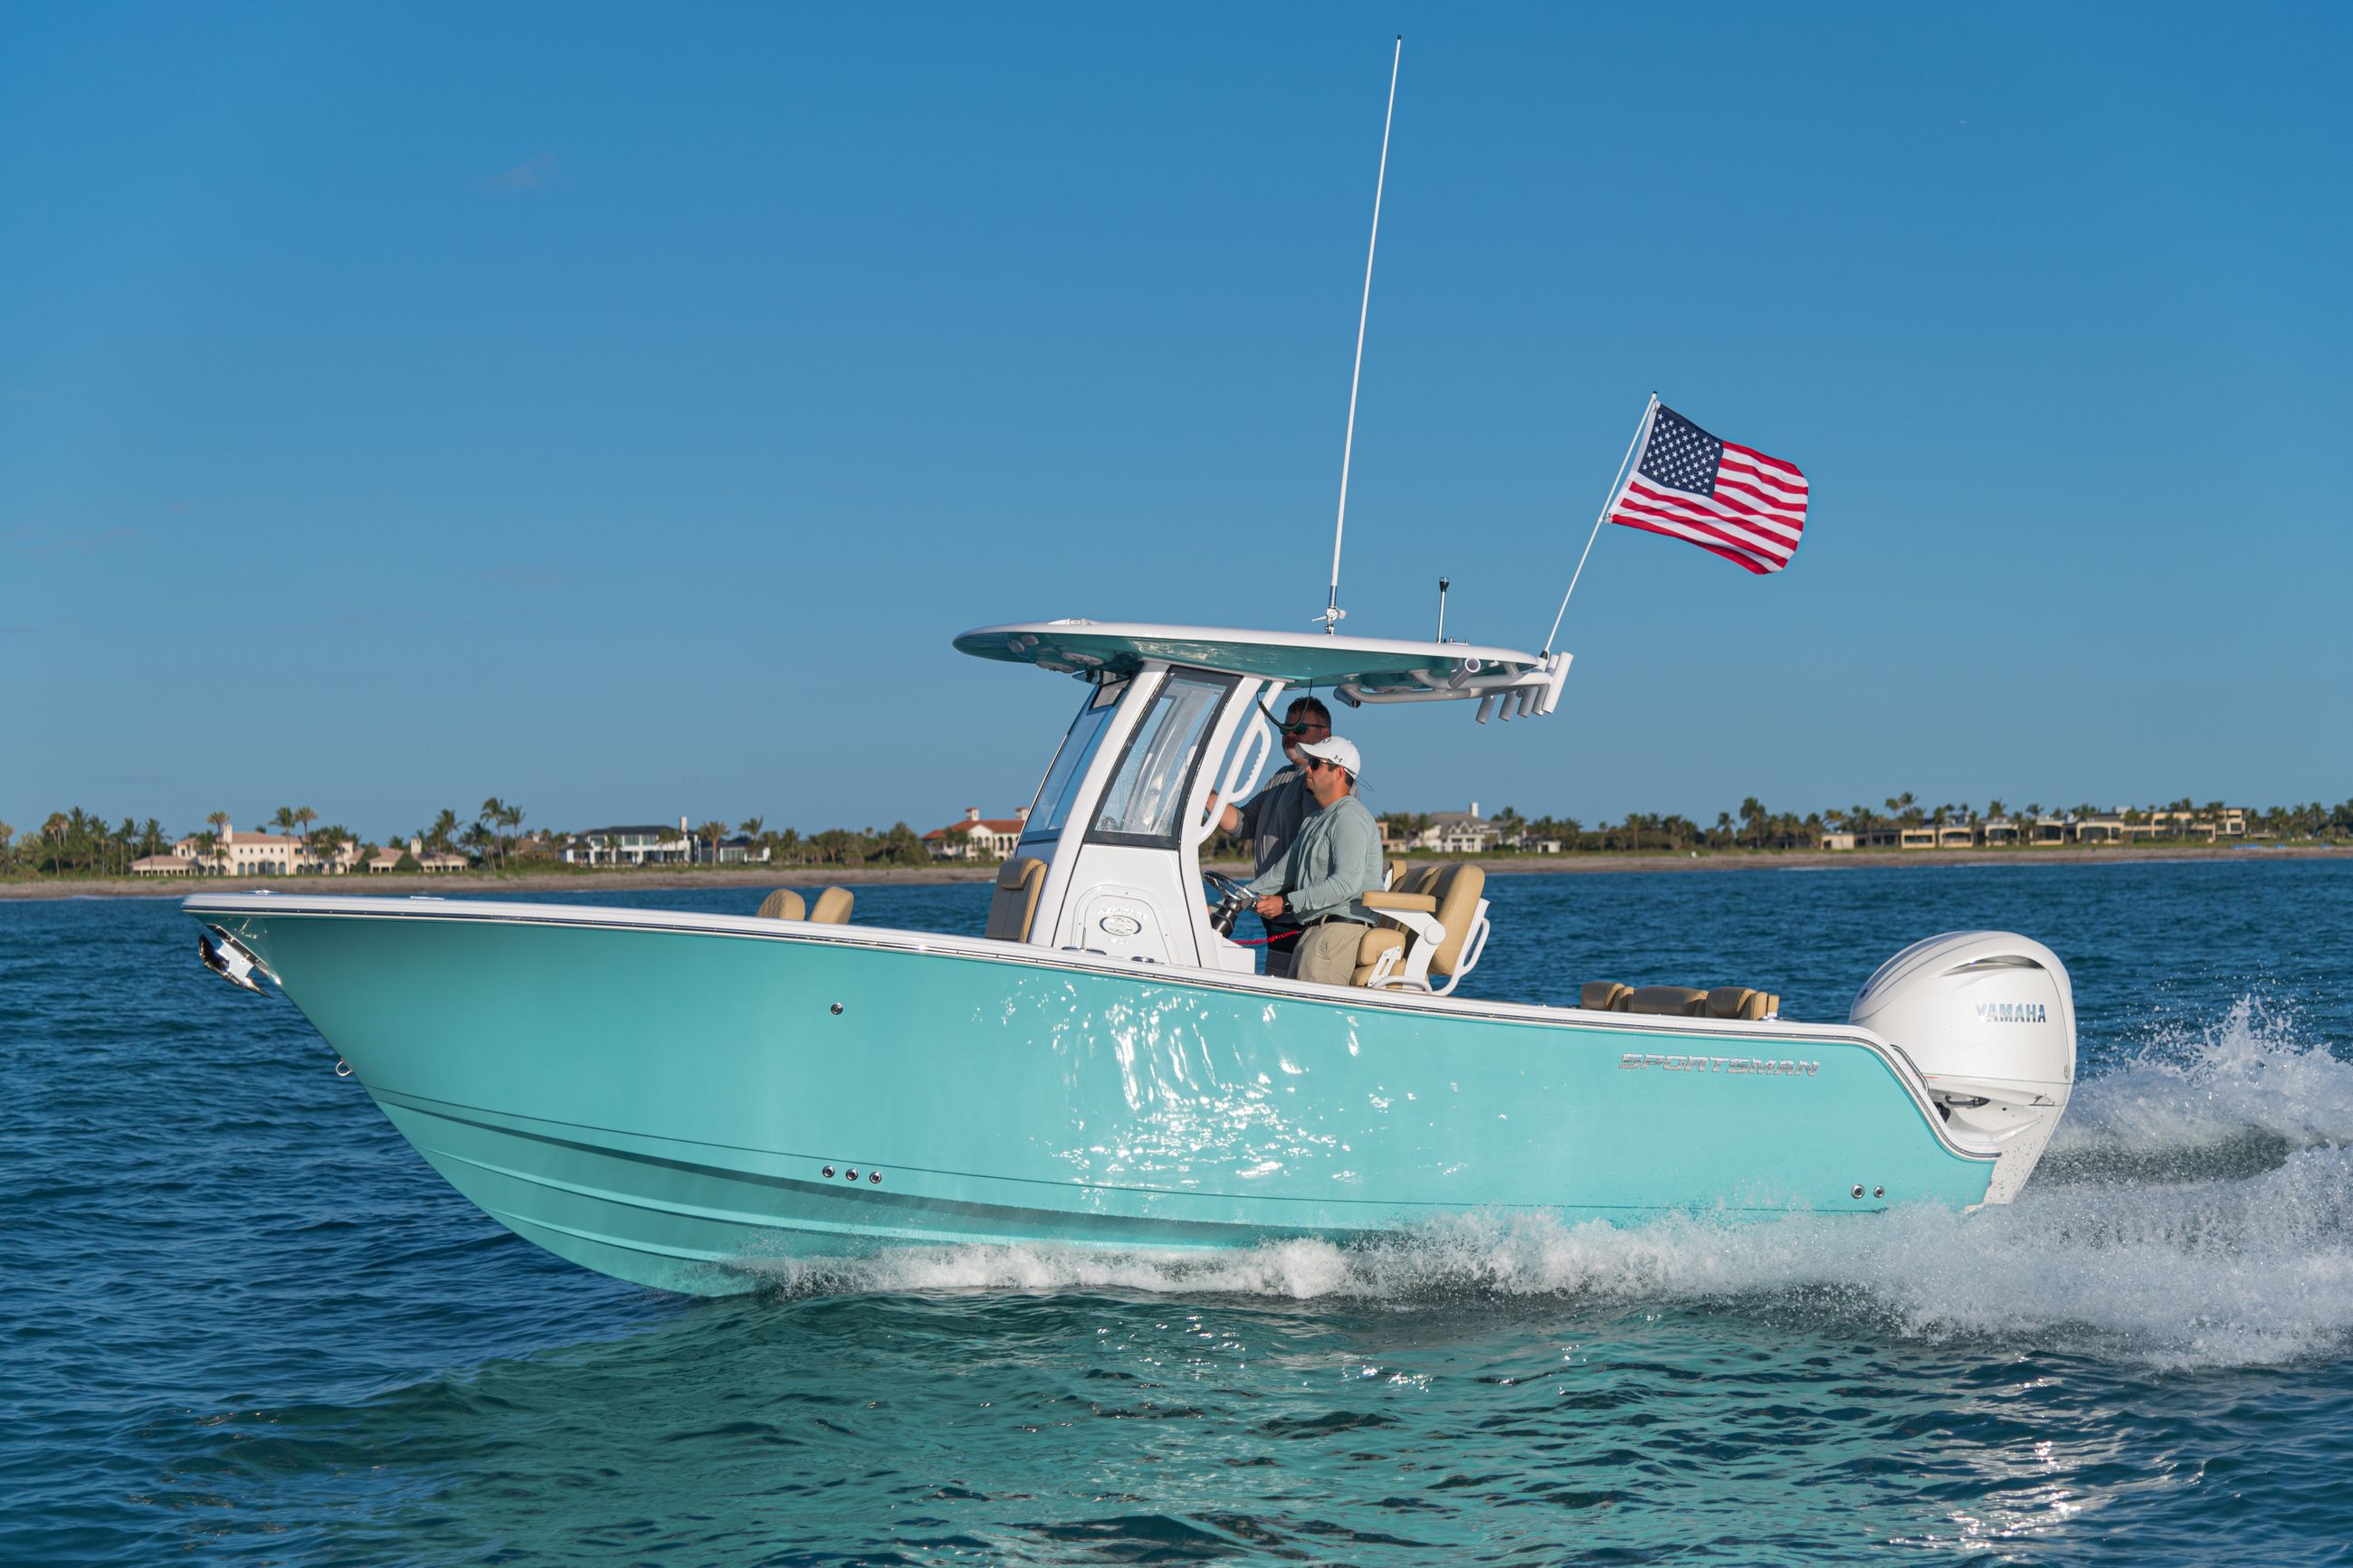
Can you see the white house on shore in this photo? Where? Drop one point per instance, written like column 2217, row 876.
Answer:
column 977, row 837
column 172, row 865
column 388, row 858
column 2112, row 826
column 643, row 844
column 236, row 854
column 1457, row 833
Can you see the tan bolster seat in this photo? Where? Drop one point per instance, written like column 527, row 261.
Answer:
column 784, row 904
column 1396, row 871
column 1423, row 903
column 832, row 907
column 1377, row 941
column 1458, row 889
column 1604, row 996
column 1014, row 905
column 1680, row 1001
column 1740, row 1002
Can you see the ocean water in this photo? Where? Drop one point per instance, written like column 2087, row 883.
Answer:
column 242, row 1321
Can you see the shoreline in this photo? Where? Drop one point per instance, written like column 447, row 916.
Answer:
column 870, row 875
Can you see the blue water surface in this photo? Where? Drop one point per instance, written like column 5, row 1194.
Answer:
column 243, row 1321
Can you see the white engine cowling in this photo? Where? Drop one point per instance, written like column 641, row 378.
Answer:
column 1988, row 1017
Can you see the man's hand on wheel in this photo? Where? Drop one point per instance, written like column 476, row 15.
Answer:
column 1269, row 906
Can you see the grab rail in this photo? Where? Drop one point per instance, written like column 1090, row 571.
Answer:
column 1257, row 745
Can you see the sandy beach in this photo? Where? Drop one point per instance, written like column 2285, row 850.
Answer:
column 534, row 883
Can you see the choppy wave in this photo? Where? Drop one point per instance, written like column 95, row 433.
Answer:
column 2197, row 1210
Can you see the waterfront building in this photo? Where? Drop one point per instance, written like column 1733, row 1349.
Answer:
column 977, row 837
column 240, row 854
column 642, row 844
column 1457, row 833
column 388, row 858
column 172, row 865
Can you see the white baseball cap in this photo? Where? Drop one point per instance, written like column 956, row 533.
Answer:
column 1334, row 749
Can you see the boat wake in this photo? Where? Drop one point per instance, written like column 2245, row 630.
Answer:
column 2196, row 1209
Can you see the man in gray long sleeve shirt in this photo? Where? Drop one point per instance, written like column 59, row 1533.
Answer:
column 1332, row 864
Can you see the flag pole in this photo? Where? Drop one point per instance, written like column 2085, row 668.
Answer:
column 1641, row 425
column 1332, row 611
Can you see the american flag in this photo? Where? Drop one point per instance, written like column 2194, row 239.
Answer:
column 1727, row 498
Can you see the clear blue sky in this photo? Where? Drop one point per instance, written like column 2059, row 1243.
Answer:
column 618, row 408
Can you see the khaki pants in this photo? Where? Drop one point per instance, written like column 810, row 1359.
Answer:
column 1327, row 953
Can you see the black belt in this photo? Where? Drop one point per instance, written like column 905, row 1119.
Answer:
column 1327, row 920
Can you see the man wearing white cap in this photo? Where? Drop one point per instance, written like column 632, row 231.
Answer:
column 1332, row 864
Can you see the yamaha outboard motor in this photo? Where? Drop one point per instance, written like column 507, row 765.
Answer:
column 1988, row 1018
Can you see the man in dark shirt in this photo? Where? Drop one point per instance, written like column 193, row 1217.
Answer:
column 1271, row 820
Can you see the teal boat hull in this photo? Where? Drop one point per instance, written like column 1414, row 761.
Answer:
column 675, row 1099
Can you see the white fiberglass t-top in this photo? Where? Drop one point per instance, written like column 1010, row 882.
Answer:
column 1109, row 852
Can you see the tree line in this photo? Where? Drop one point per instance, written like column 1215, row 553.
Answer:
column 80, row 842
column 83, row 843
column 1758, row 826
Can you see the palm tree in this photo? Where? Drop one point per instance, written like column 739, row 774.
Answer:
column 283, row 821
column 714, row 831
column 438, row 836
column 492, row 814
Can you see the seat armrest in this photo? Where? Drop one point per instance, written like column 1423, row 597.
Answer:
column 1421, row 902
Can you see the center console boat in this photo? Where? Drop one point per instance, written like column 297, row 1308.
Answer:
column 673, row 1097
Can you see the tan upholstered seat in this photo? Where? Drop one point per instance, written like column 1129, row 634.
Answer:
column 832, row 907
column 1736, row 1002
column 1604, row 996
column 1377, row 941
column 1015, row 903
column 1444, row 910
column 784, row 904
column 1681, row 1001
column 1396, row 870
column 1458, row 890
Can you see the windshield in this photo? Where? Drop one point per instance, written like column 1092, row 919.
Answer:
column 1070, row 769
column 1148, row 792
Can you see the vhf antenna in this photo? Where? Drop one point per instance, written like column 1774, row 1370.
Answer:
column 1333, row 613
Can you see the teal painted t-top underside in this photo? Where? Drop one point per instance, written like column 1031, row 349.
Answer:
column 673, row 1097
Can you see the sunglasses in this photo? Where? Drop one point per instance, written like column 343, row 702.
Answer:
column 1315, row 762
column 1288, row 727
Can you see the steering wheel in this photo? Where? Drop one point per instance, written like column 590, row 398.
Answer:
column 1232, row 899
column 1225, row 887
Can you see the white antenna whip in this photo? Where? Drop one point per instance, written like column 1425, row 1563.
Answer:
column 1332, row 610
